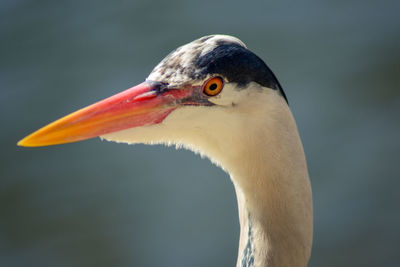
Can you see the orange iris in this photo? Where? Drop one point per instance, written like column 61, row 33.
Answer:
column 213, row 86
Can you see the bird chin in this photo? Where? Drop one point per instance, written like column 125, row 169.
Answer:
column 159, row 135
column 141, row 135
column 168, row 132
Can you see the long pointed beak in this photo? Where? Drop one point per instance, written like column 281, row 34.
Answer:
column 144, row 104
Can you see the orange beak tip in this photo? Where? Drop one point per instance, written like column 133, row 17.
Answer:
column 24, row 143
column 20, row 143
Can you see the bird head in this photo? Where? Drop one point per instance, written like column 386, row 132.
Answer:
column 201, row 90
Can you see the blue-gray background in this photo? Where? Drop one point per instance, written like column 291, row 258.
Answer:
column 96, row 203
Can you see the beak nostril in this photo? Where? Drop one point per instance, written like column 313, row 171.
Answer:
column 144, row 96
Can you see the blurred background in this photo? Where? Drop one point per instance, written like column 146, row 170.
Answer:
column 96, row 203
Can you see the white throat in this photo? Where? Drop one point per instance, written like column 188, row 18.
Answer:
column 256, row 141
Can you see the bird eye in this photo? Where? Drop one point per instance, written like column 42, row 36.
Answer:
column 213, row 86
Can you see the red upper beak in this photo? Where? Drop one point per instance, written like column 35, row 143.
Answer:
column 145, row 104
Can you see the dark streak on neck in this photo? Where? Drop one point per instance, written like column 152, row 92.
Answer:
column 248, row 253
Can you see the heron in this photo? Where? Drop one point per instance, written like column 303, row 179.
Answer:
column 217, row 98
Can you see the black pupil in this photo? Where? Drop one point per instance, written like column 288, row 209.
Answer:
column 213, row 86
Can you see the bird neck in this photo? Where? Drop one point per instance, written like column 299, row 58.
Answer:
column 270, row 176
column 272, row 236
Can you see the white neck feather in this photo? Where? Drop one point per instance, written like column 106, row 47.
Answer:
column 269, row 171
column 274, row 201
column 256, row 141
